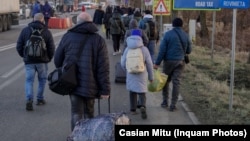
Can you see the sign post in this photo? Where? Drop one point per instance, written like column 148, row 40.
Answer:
column 212, row 5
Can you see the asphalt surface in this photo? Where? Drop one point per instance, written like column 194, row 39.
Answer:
column 51, row 122
column 183, row 115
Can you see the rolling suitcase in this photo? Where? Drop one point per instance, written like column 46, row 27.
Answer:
column 120, row 74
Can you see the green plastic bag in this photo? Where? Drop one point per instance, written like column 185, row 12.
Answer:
column 160, row 80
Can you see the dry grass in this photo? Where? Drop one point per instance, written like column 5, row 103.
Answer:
column 206, row 87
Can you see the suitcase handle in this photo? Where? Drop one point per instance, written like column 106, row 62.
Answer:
column 99, row 111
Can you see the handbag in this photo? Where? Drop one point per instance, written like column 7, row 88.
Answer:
column 186, row 57
column 63, row 80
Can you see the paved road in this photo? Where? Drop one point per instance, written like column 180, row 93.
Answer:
column 51, row 122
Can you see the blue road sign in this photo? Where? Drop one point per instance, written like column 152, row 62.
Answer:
column 238, row 4
column 196, row 4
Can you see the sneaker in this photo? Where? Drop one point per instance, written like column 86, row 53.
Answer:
column 29, row 105
column 40, row 102
column 172, row 108
column 164, row 104
column 114, row 53
column 138, row 106
column 143, row 113
column 133, row 112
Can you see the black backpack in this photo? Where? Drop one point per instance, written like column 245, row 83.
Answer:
column 126, row 21
column 152, row 30
column 35, row 48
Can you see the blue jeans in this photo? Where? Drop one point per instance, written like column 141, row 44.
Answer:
column 31, row 69
column 151, row 47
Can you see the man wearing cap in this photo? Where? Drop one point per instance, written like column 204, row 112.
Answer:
column 172, row 53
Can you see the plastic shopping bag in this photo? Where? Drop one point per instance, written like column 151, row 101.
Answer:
column 103, row 28
column 160, row 80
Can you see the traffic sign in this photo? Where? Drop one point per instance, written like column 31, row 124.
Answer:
column 196, row 5
column 161, row 8
column 237, row 4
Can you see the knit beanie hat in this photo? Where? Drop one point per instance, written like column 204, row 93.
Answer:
column 136, row 32
column 177, row 22
column 147, row 12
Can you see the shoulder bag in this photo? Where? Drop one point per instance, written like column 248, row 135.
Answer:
column 186, row 57
column 63, row 80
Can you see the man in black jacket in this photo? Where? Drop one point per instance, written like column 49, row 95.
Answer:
column 98, row 17
column 33, row 65
column 93, row 66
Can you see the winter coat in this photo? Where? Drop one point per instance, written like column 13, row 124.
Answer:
column 47, row 10
column 98, row 16
column 134, row 25
column 93, row 64
column 142, row 22
column 25, row 35
column 37, row 8
column 116, row 25
column 106, row 18
column 171, row 47
column 138, row 82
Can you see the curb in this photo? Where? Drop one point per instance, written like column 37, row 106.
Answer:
column 189, row 112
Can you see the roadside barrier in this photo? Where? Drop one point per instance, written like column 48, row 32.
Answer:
column 60, row 23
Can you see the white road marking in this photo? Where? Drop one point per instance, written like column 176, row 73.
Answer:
column 7, row 74
column 10, row 46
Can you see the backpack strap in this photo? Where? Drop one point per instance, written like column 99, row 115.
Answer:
column 34, row 30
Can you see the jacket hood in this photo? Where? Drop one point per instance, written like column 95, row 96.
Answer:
column 85, row 27
column 37, row 25
column 134, row 41
column 148, row 16
column 133, row 24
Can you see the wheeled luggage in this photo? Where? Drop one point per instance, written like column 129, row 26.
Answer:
column 120, row 74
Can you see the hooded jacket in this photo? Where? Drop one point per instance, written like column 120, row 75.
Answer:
column 138, row 82
column 98, row 16
column 116, row 25
column 134, row 25
column 25, row 35
column 93, row 64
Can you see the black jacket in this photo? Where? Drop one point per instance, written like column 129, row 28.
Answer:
column 93, row 64
column 98, row 16
column 25, row 35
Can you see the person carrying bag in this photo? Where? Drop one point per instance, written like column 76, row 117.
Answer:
column 63, row 80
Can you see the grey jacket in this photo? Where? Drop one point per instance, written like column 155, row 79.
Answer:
column 138, row 82
column 133, row 24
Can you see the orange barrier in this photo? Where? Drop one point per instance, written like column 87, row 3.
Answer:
column 59, row 23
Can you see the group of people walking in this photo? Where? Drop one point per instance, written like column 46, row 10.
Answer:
column 94, row 66
column 45, row 8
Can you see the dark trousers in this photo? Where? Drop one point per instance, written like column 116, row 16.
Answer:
column 174, row 71
column 81, row 107
column 116, row 42
column 133, row 100
column 46, row 20
column 108, row 33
